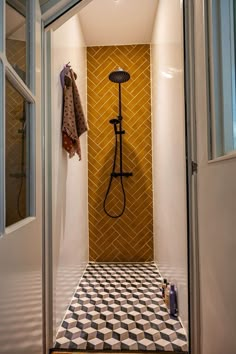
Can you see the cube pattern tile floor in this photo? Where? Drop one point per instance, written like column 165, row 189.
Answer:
column 120, row 307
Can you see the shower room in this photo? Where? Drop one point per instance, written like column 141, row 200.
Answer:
column 119, row 203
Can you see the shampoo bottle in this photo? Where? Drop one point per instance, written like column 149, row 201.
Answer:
column 173, row 300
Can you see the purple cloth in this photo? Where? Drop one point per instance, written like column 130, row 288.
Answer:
column 64, row 71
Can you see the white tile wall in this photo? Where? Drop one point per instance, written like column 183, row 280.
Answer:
column 169, row 183
column 70, row 180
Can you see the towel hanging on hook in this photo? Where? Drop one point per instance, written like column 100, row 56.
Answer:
column 73, row 122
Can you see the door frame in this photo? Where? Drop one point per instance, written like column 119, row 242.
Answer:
column 191, row 178
column 54, row 21
column 194, row 335
column 24, row 237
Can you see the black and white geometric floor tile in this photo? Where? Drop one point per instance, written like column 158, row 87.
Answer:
column 119, row 306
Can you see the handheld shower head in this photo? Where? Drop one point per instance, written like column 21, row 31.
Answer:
column 119, row 76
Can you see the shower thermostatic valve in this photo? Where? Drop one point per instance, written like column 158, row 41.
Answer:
column 123, row 174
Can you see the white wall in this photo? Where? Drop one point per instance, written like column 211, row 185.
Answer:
column 169, row 172
column 70, row 180
column 217, row 222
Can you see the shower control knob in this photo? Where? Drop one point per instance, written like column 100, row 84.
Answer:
column 122, row 174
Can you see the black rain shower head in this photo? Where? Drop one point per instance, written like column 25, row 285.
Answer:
column 119, row 76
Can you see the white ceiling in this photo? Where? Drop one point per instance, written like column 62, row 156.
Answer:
column 118, row 22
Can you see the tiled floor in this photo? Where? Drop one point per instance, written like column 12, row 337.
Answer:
column 119, row 307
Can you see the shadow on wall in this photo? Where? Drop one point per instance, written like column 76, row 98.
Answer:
column 117, row 246
column 17, row 303
column 61, row 195
column 61, row 164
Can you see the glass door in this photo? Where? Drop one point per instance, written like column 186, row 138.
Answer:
column 20, row 177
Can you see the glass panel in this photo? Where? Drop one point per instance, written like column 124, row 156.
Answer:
column 221, row 31
column 2, row 147
column 16, row 156
column 16, row 39
column 2, row 37
column 234, row 72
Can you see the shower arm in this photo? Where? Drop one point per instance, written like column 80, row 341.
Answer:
column 120, row 119
column 120, row 116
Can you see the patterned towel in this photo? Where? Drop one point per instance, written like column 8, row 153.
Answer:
column 73, row 123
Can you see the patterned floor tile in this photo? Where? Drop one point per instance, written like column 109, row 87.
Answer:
column 119, row 306
column 112, row 344
column 78, row 343
column 89, row 333
column 73, row 333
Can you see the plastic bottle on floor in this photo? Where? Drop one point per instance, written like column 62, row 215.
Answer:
column 172, row 300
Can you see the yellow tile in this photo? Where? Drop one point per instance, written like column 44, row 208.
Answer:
column 130, row 237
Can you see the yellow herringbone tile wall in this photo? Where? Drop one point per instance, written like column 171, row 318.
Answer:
column 130, row 237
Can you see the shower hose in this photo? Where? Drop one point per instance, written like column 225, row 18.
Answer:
column 110, row 183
